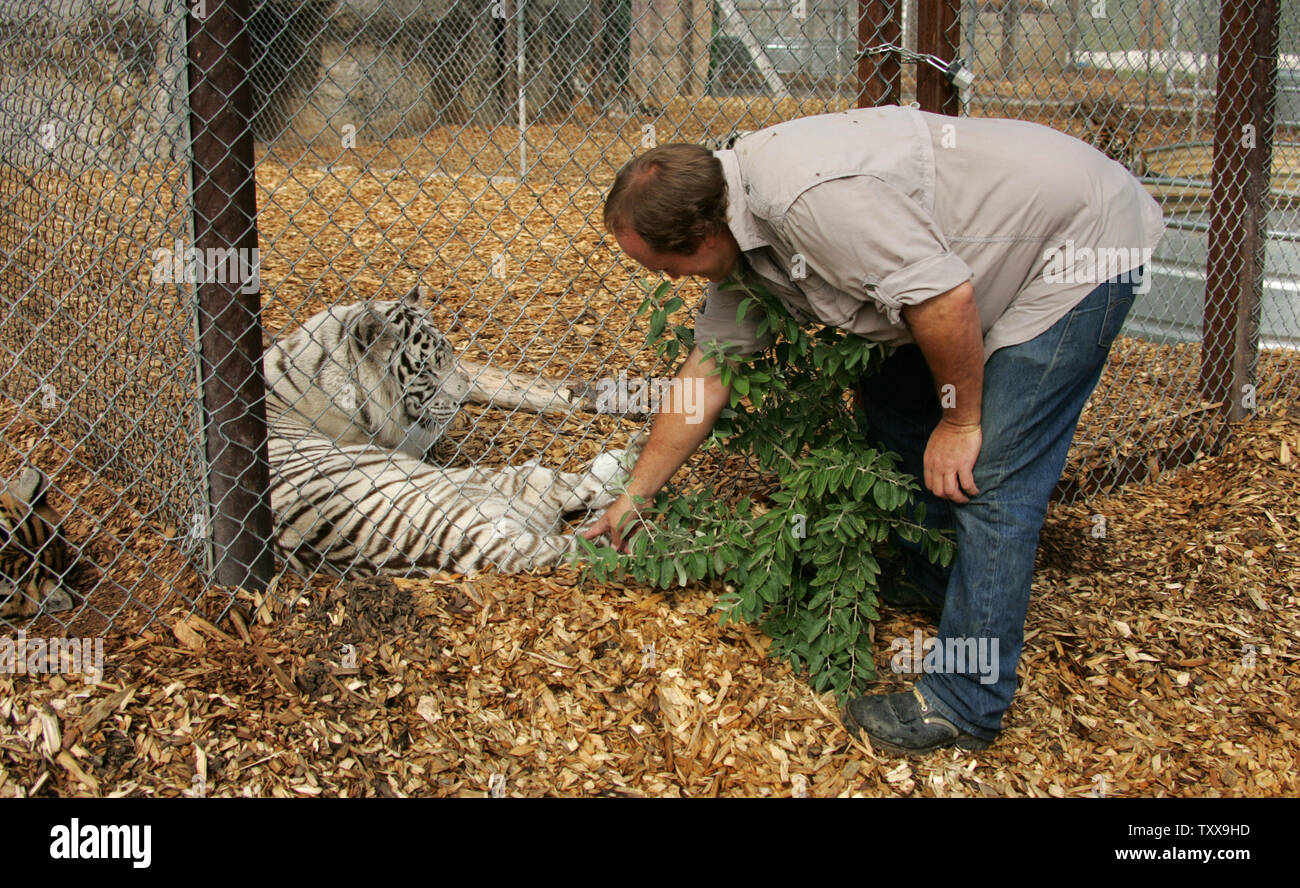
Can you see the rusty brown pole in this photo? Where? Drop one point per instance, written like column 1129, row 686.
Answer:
column 937, row 34
column 230, row 330
column 1243, row 149
column 880, row 74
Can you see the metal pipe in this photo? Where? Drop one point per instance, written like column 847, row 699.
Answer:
column 520, row 53
column 1202, row 143
column 1272, row 234
column 936, row 22
column 230, row 330
column 879, row 75
column 1243, row 134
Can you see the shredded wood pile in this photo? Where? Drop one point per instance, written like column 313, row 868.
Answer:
column 1161, row 659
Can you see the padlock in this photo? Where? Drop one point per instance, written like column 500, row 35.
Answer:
column 959, row 75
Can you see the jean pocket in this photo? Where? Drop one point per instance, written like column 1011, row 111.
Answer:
column 1119, row 300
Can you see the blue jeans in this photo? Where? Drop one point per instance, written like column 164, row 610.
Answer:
column 1033, row 394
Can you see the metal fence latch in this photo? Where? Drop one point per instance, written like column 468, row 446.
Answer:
column 957, row 72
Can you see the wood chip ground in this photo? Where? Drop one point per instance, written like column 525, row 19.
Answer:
column 1161, row 659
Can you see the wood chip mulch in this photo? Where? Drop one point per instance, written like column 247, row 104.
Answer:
column 1161, row 656
column 1161, row 659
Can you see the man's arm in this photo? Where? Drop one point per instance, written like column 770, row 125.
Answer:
column 947, row 330
column 672, row 440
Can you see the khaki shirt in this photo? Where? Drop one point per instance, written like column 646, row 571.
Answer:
column 850, row 217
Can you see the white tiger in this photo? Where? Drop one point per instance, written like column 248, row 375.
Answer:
column 355, row 398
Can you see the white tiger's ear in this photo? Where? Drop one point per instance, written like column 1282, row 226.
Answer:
column 415, row 297
column 367, row 327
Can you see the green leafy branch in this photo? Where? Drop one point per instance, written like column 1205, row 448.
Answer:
column 803, row 558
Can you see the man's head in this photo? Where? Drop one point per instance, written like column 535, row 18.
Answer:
column 668, row 211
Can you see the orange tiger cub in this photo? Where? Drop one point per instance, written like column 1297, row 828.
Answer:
column 34, row 558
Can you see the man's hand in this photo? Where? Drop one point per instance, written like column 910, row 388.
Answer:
column 620, row 521
column 950, row 461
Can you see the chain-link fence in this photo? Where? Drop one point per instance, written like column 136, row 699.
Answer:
column 462, row 150
column 98, row 357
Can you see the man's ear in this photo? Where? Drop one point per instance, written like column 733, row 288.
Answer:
column 715, row 239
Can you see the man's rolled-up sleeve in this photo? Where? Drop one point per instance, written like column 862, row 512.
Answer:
column 716, row 322
column 869, row 240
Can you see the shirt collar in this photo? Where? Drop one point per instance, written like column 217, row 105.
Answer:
column 742, row 223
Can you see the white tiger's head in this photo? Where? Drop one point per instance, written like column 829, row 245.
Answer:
column 378, row 372
column 400, row 340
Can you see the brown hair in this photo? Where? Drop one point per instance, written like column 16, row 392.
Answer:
column 673, row 196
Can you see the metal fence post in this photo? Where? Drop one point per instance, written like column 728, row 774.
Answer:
column 880, row 74
column 225, row 229
column 1243, row 143
column 937, row 34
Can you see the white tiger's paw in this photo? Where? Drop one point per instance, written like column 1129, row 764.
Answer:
column 634, row 447
column 609, row 468
column 607, row 476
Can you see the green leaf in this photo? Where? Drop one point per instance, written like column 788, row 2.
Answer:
column 812, row 629
column 658, row 321
column 699, row 565
column 841, row 621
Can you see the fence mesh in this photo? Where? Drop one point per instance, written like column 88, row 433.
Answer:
column 462, row 149
column 98, row 360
